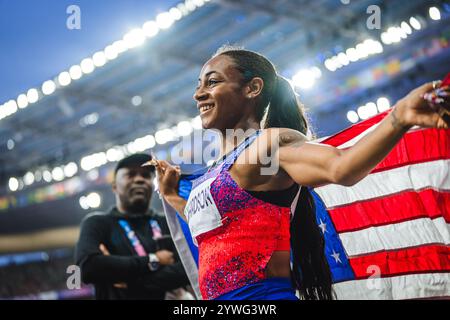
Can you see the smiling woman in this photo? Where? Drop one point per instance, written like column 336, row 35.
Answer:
column 256, row 223
column 219, row 94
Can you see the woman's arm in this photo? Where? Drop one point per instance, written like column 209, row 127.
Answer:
column 315, row 165
column 168, row 178
column 178, row 203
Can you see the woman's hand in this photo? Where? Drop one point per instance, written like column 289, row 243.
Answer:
column 414, row 110
column 168, row 178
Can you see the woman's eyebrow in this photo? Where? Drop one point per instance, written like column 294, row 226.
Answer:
column 208, row 74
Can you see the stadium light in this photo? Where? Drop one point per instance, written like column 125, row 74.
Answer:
column 3, row 111
column 10, row 144
column 184, row 128
column 134, row 38
column 415, row 23
column 190, row 5
column 374, row 47
column 58, row 174
column 47, row 176
column 343, row 59
column 363, row 112
column 87, row 65
column 64, row 78
column 150, row 141
column 32, row 95
column 175, row 13
column 183, row 9
column 352, row 54
column 164, row 136
column 383, row 104
column 70, row 169
column 120, row 46
column 75, row 72
column 9, row 108
column 93, row 161
column 37, row 176
column 197, row 123
column 304, row 79
column 136, row 101
column 22, row 101
column 371, row 109
column 316, row 72
column 92, row 118
column 114, row 154
column 99, row 59
column 144, row 143
column 386, row 38
column 83, row 203
column 199, row 3
column 28, row 178
column 150, row 29
column 406, row 28
column 111, row 52
column 435, row 13
column 13, row 184
column 352, row 116
column 164, row 20
column 330, row 65
column 93, row 200
column 48, row 87
column 160, row 137
column 362, row 50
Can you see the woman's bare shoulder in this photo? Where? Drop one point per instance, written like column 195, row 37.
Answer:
column 282, row 137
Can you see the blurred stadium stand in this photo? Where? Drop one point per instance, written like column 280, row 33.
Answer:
column 39, row 275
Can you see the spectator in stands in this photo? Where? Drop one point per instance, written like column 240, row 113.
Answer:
column 127, row 252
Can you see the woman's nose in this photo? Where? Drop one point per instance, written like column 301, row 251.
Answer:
column 199, row 94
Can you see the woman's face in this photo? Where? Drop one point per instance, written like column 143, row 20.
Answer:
column 220, row 95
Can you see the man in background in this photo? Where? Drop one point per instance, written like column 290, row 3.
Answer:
column 127, row 253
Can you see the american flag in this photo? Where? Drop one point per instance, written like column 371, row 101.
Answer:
column 388, row 236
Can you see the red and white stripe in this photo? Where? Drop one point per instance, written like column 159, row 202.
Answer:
column 395, row 223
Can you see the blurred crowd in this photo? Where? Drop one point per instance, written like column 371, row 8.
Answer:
column 36, row 279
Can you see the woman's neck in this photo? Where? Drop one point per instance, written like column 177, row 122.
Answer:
column 232, row 137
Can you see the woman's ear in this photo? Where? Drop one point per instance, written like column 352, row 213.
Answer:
column 254, row 87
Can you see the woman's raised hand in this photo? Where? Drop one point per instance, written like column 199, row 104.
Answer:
column 416, row 110
column 168, row 178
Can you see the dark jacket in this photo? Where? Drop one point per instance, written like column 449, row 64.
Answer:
column 124, row 265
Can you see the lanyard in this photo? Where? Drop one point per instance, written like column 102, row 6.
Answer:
column 131, row 235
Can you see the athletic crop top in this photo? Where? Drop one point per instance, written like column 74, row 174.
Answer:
column 236, row 232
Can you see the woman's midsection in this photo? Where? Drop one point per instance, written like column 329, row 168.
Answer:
column 279, row 265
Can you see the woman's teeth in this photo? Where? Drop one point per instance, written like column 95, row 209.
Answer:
column 206, row 108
